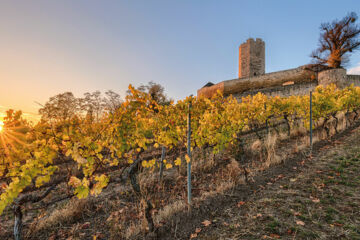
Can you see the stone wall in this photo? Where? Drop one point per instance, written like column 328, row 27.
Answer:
column 336, row 76
column 283, row 91
column 354, row 79
column 297, row 81
column 270, row 80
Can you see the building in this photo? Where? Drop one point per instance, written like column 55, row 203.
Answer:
column 253, row 79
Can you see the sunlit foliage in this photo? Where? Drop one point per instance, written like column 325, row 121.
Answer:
column 31, row 155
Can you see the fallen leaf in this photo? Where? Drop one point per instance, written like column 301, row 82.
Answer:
column 297, row 213
column 316, row 200
column 52, row 237
column 259, row 215
column 300, row 223
column 292, row 179
column 197, row 230
column 85, row 225
column 273, row 235
column 193, row 235
column 206, row 223
column 239, row 204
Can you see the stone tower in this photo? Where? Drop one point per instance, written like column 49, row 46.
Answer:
column 252, row 58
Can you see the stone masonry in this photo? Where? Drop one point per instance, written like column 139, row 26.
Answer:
column 252, row 58
column 336, row 76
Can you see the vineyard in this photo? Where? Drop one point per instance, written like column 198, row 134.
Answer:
column 142, row 147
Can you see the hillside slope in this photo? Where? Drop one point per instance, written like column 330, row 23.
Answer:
column 317, row 198
column 302, row 198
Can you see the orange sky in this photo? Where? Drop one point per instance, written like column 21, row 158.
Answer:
column 27, row 115
column 50, row 47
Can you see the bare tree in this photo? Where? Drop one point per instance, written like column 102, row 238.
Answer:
column 337, row 39
column 65, row 106
column 156, row 91
column 62, row 107
column 92, row 104
column 112, row 101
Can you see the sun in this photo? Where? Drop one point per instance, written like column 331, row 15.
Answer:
column 1, row 126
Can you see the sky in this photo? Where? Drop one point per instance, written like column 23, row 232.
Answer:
column 50, row 47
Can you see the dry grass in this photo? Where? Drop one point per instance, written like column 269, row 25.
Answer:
column 224, row 187
column 233, row 170
column 70, row 213
column 256, row 146
column 298, row 131
column 205, row 161
column 283, row 136
column 169, row 211
column 132, row 231
column 270, row 143
column 221, row 188
column 301, row 145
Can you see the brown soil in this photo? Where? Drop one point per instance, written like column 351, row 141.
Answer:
column 307, row 197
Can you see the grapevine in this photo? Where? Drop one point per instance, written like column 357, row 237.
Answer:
column 35, row 155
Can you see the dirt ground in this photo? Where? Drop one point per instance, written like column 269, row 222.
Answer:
column 307, row 197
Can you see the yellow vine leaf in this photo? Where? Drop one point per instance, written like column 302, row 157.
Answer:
column 178, row 162
column 41, row 180
column 187, row 158
column 102, row 181
column 74, row 181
